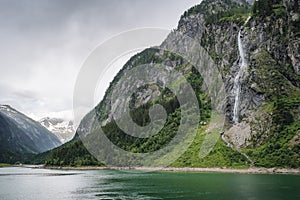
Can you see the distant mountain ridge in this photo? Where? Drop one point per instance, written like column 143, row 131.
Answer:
column 63, row 129
column 21, row 136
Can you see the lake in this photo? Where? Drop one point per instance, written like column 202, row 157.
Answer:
column 18, row 183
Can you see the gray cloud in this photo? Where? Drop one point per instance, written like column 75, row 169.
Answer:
column 44, row 43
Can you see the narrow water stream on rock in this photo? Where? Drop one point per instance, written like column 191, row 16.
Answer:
column 237, row 83
column 243, row 66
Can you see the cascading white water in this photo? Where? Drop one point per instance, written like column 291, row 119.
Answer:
column 237, row 83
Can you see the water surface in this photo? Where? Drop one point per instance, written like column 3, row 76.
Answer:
column 42, row 184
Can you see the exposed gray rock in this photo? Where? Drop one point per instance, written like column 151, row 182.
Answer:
column 239, row 135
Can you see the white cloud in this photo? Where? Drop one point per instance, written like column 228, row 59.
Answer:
column 43, row 46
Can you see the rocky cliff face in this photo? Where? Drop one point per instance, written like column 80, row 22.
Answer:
column 273, row 67
column 270, row 40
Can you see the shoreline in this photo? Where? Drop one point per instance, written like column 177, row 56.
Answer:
column 187, row 169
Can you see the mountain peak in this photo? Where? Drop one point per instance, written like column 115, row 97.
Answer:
column 6, row 107
column 62, row 128
column 20, row 135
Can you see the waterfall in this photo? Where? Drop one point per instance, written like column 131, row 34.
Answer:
column 237, row 84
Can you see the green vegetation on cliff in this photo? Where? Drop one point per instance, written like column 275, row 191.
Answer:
column 281, row 148
column 221, row 155
column 215, row 11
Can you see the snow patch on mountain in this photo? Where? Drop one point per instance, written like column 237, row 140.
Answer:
column 63, row 129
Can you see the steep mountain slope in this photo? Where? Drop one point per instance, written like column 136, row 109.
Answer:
column 63, row 129
column 256, row 49
column 21, row 136
column 259, row 60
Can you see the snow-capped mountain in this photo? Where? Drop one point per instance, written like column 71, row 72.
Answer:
column 63, row 129
column 21, row 135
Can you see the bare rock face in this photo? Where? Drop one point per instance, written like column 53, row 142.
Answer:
column 252, row 131
column 239, row 135
column 271, row 46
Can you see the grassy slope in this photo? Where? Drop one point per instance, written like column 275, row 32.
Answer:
column 220, row 156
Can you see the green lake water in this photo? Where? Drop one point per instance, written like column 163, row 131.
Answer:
column 40, row 184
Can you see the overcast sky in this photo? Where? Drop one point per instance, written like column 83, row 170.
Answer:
column 43, row 44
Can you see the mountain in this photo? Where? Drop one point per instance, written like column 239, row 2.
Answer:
column 63, row 129
column 256, row 50
column 21, row 136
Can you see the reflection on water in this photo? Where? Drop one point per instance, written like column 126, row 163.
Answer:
column 39, row 184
